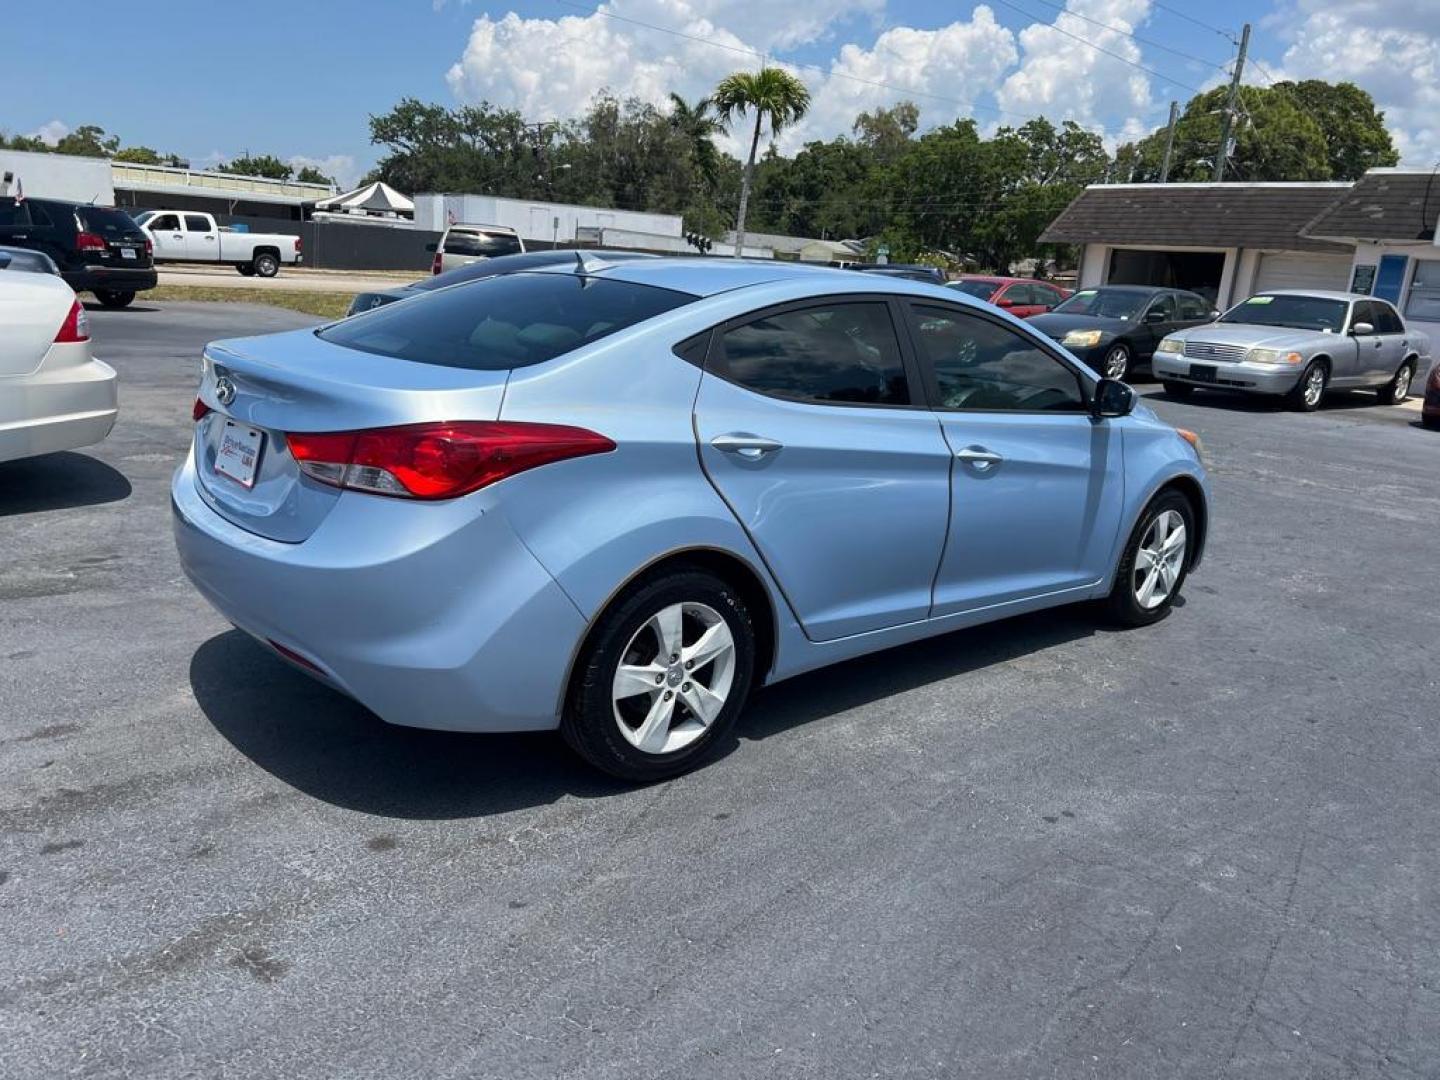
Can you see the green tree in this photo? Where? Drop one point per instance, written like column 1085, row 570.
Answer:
column 88, row 140
column 698, row 126
column 1356, row 138
column 886, row 133
column 32, row 143
column 308, row 174
column 266, row 165
column 471, row 148
column 771, row 94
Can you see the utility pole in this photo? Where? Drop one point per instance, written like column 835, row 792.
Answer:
column 1169, row 142
column 1229, row 117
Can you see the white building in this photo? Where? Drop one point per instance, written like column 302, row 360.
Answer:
column 60, row 176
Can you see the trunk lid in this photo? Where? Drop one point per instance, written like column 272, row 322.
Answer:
column 32, row 309
column 124, row 242
column 298, row 382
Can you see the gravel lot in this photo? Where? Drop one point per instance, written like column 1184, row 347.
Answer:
column 1033, row 849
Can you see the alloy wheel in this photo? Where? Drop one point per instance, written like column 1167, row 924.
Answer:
column 1159, row 560
column 1116, row 361
column 1314, row 386
column 674, row 678
column 1402, row 383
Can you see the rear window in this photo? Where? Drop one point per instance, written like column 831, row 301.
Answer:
column 504, row 322
column 106, row 221
column 13, row 214
column 481, row 243
column 981, row 290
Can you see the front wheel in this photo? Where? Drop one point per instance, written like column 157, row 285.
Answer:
column 1154, row 563
column 110, row 298
column 1398, row 388
column 266, row 265
column 664, row 674
column 1116, row 364
column 1309, row 390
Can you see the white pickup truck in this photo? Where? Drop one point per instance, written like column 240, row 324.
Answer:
column 193, row 237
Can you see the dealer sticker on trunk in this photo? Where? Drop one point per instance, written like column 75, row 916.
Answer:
column 239, row 453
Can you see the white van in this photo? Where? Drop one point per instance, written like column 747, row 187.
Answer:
column 465, row 244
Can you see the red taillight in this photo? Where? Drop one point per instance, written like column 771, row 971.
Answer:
column 436, row 264
column 149, row 248
column 88, row 241
column 438, row 461
column 200, row 411
column 293, row 656
column 76, row 326
column 297, row 245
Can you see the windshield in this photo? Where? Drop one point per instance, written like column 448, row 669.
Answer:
column 503, row 322
column 1104, row 303
column 1297, row 312
column 981, row 290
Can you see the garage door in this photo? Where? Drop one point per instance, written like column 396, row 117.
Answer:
column 1294, row 271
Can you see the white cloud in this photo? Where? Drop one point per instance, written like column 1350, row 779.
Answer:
column 52, row 133
column 341, row 166
column 1389, row 47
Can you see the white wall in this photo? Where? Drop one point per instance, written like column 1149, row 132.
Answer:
column 1368, row 254
column 60, row 176
column 537, row 220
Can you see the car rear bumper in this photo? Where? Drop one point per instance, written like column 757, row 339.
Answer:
column 1243, row 377
column 58, row 409
column 431, row 615
column 111, row 278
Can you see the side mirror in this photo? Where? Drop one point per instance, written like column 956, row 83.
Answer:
column 1362, row 329
column 1154, row 316
column 431, row 248
column 1214, row 314
column 1112, row 398
column 1004, row 301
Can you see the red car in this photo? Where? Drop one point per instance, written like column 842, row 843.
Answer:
column 1022, row 297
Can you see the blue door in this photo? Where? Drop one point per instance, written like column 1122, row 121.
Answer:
column 811, row 429
column 1037, row 486
column 1390, row 277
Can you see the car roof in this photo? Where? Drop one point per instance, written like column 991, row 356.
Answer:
column 1319, row 294
column 703, row 276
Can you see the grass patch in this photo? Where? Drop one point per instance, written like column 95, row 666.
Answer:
column 327, row 305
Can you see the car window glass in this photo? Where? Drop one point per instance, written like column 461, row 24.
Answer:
column 195, row 223
column 1021, row 295
column 981, row 290
column 1046, row 295
column 481, row 243
column 1165, row 305
column 1105, row 303
column 1387, row 319
column 15, row 215
column 1364, row 312
column 839, row 353
column 106, row 220
column 979, row 364
column 1288, row 309
column 165, row 223
column 1192, row 307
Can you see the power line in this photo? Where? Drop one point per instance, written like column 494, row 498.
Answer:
column 1190, row 18
column 1090, row 44
column 1133, row 36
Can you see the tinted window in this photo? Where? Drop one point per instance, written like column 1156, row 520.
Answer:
column 1365, row 312
column 165, row 223
column 981, row 290
column 106, row 221
column 1020, row 295
column 481, row 243
column 838, row 353
column 14, row 215
column 1299, row 312
column 981, row 365
column 509, row 264
column 1106, row 303
column 196, row 223
column 1193, row 307
column 1387, row 321
column 503, row 322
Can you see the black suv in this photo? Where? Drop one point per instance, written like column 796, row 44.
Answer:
column 98, row 249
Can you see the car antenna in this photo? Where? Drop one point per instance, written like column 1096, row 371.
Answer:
column 588, row 264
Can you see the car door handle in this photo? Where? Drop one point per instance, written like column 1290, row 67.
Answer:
column 979, row 457
column 745, row 444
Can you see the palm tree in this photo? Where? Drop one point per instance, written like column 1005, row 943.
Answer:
column 770, row 93
column 698, row 127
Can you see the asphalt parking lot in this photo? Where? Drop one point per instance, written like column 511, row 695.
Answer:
column 1034, row 849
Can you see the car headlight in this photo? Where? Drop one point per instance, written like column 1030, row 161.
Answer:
column 1171, row 345
column 1273, row 356
column 1084, row 338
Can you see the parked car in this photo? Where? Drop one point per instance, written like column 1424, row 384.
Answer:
column 1296, row 345
column 910, row 271
column 1022, row 297
column 465, row 244
column 1115, row 328
column 23, row 260
column 613, row 501
column 1430, row 409
column 501, row 264
column 54, row 394
column 98, row 249
column 190, row 236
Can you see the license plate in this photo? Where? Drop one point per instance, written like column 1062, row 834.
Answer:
column 239, row 453
column 1203, row 372
column 127, row 253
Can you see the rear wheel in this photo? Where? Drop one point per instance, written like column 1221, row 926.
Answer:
column 1310, row 389
column 266, row 264
column 246, row 270
column 663, row 676
column 112, row 299
column 1154, row 563
column 1398, row 388
column 1176, row 389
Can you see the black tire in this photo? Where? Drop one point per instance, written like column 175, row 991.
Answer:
column 1178, row 390
column 114, row 299
column 1118, row 362
column 1123, row 605
column 1298, row 398
column 265, row 264
column 246, row 270
column 590, row 724
column 1398, row 388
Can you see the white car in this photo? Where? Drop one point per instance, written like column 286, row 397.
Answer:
column 464, row 244
column 54, row 394
column 194, row 237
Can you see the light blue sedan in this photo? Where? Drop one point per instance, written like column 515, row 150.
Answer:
column 614, row 499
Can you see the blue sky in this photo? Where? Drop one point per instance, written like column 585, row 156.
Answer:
column 210, row 80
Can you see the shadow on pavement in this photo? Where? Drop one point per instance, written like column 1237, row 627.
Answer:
column 58, row 482
column 1237, row 401
column 131, row 309
column 333, row 749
